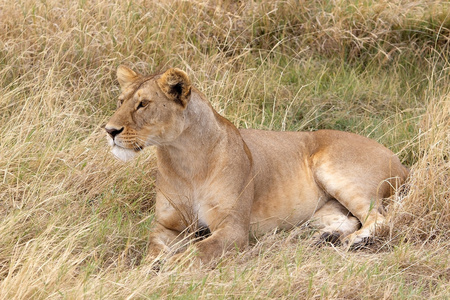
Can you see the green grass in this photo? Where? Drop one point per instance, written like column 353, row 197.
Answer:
column 74, row 221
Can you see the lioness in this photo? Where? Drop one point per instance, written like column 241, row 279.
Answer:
column 214, row 176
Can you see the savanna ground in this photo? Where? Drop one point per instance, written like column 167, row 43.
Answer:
column 74, row 221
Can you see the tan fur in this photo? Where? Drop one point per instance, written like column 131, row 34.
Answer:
column 210, row 174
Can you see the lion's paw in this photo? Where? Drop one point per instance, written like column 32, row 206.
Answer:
column 357, row 241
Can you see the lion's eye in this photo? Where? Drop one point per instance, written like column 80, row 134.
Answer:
column 142, row 104
column 120, row 102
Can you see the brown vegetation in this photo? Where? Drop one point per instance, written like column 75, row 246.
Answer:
column 74, row 221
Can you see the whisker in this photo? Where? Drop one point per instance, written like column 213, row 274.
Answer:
column 153, row 142
column 141, row 141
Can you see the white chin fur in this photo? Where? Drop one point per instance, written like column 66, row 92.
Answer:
column 123, row 154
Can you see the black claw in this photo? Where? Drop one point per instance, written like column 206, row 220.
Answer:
column 328, row 238
column 332, row 238
column 364, row 243
column 156, row 266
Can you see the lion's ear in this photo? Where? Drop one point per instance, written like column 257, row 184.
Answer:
column 176, row 85
column 126, row 76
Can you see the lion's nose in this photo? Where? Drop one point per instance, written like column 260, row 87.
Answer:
column 113, row 131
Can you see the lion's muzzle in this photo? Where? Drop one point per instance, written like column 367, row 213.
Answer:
column 120, row 152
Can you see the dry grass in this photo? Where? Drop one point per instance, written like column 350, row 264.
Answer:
column 74, row 221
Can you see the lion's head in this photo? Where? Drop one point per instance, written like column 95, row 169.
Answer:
column 150, row 111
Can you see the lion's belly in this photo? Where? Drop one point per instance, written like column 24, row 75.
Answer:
column 286, row 204
column 286, row 193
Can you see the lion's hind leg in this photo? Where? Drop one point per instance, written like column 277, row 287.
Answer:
column 333, row 222
column 360, row 195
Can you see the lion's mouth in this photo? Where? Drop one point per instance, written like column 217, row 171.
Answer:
column 114, row 143
column 121, row 152
column 135, row 148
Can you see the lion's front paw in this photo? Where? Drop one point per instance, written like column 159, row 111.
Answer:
column 155, row 254
column 186, row 259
